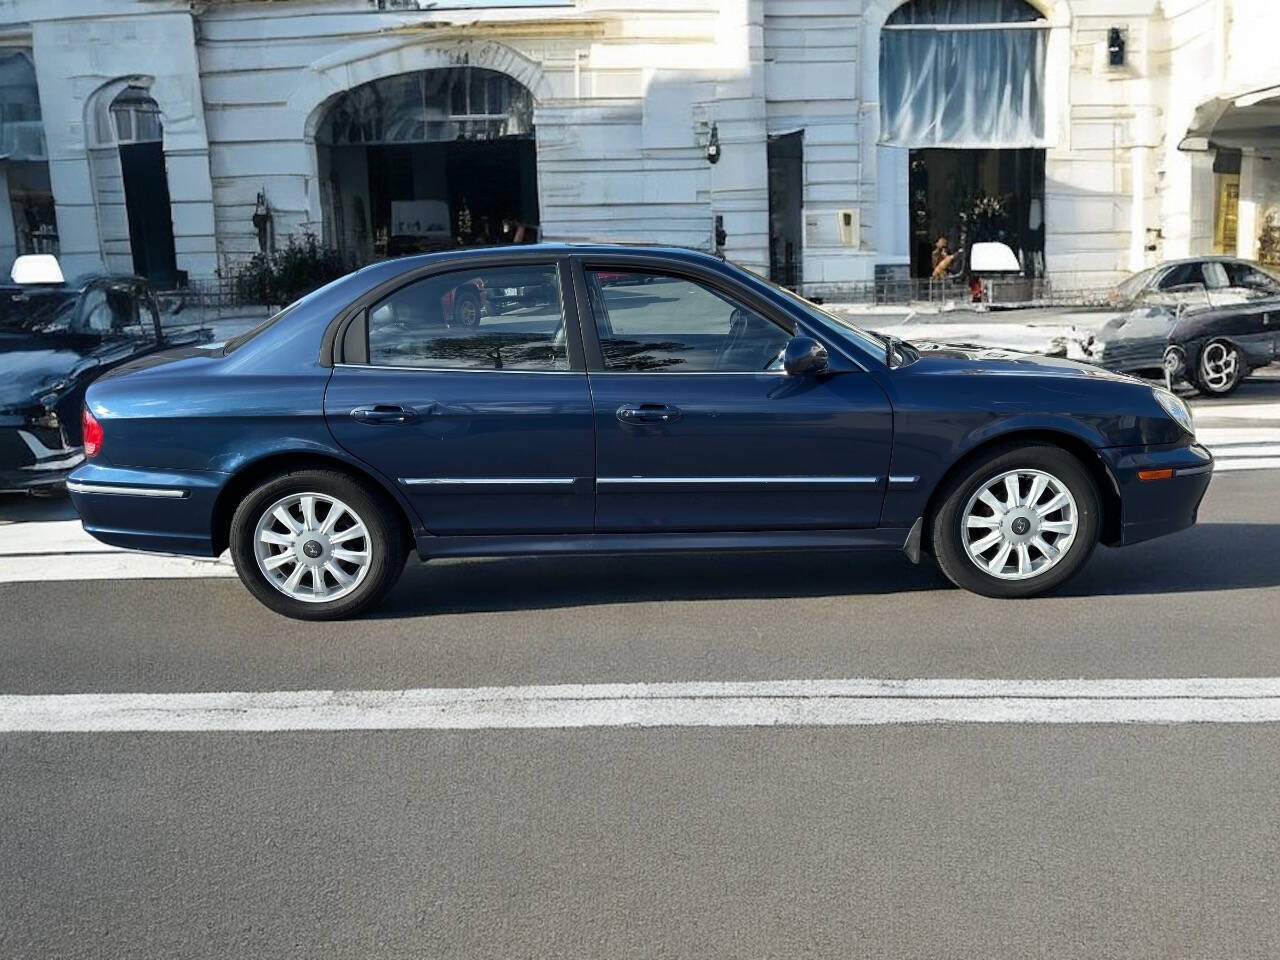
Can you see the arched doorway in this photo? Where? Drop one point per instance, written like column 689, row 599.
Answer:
column 428, row 160
column 962, row 88
column 136, row 126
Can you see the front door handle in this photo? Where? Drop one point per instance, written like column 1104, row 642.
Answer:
column 648, row 413
column 380, row 413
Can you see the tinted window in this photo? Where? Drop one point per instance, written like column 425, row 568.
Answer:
column 499, row 318
column 1251, row 278
column 650, row 322
column 40, row 311
column 1184, row 274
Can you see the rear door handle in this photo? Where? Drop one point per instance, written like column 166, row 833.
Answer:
column 648, row 413
column 381, row 413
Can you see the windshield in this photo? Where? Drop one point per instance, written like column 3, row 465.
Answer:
column 870, row 340
column 38, row 311
column 1129, row 289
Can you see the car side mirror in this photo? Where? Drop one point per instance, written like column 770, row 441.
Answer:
column 804, row 357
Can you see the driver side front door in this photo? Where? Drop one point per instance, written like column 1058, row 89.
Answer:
column 699, row 429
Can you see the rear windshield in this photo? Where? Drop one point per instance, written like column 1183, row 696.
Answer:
column 38, row 311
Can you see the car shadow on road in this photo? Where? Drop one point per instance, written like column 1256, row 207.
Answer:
column 18, row 508
column 1212, row 556
column 1209, row 556
column 535, row 583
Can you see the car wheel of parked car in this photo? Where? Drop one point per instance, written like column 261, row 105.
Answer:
column 317, row 545
column 1017, row 523
column 1220, row 368
column 466, row 310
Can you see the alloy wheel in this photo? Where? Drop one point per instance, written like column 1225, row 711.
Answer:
column 1218, row 366
column 1020, row 524
column 312, row 547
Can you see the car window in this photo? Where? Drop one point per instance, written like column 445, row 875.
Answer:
column 1134, row 285
column 1249, row 277
column 649, row 322
column 1182, row 275
column 495, row 318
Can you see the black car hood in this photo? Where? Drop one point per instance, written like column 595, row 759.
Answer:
column 971, row 358
column 32, row 364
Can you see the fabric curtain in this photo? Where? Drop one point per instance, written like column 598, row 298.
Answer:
column 978, row 86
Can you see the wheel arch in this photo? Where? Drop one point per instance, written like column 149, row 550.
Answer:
column 1090, row 459
column 254, row 472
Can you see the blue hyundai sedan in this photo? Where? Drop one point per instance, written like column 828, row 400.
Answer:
column 608, row 399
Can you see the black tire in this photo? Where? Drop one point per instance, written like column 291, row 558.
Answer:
column 466, row 310
column 1207, row 374
column 950, row 535
column 387, row 542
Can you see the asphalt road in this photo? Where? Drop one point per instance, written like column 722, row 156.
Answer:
column 1006, row 840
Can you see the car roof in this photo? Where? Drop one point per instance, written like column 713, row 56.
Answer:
column 536, row 250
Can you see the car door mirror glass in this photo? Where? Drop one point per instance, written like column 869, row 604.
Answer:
column 804, row 357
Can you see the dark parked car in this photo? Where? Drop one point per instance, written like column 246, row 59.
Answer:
column 1216, row 349
column 55, row 338
column 704, row 410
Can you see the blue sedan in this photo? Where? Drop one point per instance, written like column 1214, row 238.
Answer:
column 607, row 399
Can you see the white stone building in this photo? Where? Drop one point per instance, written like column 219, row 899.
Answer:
column 177, row 138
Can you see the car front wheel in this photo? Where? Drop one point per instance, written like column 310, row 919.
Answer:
column 1017, row 523
column 317, row 545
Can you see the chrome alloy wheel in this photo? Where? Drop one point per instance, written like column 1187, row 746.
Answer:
column 1020, row 524
column 312, row 547
column 1218, row 364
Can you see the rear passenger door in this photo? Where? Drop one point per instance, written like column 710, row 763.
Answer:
column 466, row 388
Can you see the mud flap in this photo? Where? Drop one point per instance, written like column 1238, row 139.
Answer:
column 912, row 545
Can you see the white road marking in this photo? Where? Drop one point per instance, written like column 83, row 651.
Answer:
column 1212, row 410
column 1227, row 464
column 792, row 703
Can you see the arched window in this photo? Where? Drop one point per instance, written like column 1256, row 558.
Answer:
column 135, row 117
column 21, row 130
column 430, row 106
column 963, row 74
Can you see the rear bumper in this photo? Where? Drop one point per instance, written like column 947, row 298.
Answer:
column 1154, row 508
column 165, row 511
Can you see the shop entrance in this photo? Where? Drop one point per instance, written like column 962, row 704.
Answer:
column 428, row 161
column 973, row 196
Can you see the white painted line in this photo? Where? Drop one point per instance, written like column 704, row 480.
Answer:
column 1219, row 435
column 109, row 565
column 55, row 550
column 855, row 702
column 1226, row 465
column 1211, row 410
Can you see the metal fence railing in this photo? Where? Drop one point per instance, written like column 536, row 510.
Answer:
column 996, row 291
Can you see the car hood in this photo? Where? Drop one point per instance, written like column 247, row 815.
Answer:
column 34, row 365
column 970, row 358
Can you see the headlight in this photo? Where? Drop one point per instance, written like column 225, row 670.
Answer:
column 1176, row 408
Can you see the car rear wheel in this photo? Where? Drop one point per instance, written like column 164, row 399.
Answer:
column 1017, row 523
column 1219, row 369
column 317, row 545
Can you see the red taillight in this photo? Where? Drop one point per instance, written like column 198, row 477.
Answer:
column 91, row 431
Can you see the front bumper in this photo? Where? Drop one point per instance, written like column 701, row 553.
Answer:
column 165, row 511
column 32, row 459
column 1156, row 507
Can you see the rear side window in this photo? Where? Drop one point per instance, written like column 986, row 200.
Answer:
column 1248, row 276
column 494, row 318
column 652, row 323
